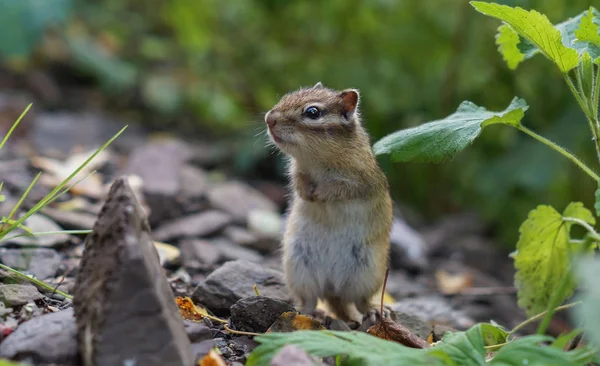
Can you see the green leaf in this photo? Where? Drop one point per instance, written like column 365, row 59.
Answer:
column 586, row 73
column 442, row 139
column 542, row 259
column 508, row 45
column 536, row 28
column 588, row 313
column 531, row 351
column 493, row 335
column 588, row 30
column 462, row 348
column 361, row 348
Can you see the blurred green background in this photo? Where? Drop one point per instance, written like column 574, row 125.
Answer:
column 214, row 67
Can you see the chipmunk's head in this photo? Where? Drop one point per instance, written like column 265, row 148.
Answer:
column 314, row 121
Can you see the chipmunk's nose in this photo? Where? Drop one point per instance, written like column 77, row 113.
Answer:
column 271, row 119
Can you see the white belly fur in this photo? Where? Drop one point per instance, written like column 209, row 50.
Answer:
column 326, row 252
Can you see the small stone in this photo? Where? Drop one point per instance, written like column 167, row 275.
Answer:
column 71, row 220
column 198, row 253
column 46, row 339
column 292, row 355
column 194, row 182
column 257, row 313
column 124, row 306
column 231, row 252
column 234, row 281
column 40, row 223
column 201, row 349
column 41, row 262
column 414, row 323
column 240, row 236
column 239, row 199
column 15, row 295
column 196, row 331
column 440, row 330
column 268, row 227
column 337, row 324
column 193, row 226
column 434, row 309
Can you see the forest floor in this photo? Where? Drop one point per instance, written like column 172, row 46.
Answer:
column 217, row 236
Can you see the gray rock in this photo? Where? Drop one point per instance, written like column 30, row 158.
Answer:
column 268, row 227
column 257, row 313
column 291, row 355
column 408, row 248
column 201, row 349
column 239, row 199
column 234, row 281
column 124, row 306
column 46, row 339
column 197, row 331
column 15, row 295
column 434, row 309
column 240, row 236
column 194, row 182
column 71, row 220
column 199, row 253
column 193, row 226
column 41, row 262
column 414, row 323
column 230, row 251
column 40, row 223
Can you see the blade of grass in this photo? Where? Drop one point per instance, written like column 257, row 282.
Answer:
column 3, row 230
column 36, row 282
column 75, row 232
column 14, row 126
column 50, row 196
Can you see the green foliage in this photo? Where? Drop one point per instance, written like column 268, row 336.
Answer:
column 542, row 259
column 588, row 30
column 588, row 272
column 537, row 29
column 442, row 139
column 37, row 15
column 455, row 349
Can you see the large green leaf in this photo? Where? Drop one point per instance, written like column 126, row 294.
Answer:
column 588, row 30
column 542, row 258
column 462, row 348
column 442, row 139
column 531, row 351
column 588, row 313
column 537, row 29
column 22, row 23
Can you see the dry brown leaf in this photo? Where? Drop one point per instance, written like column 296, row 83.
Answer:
column 291, row 321
column 189, row 310
column 450, row 284
column 430, row 338
column 390, row 330
column 212, row 358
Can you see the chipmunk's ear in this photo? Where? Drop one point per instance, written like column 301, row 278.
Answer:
column 350, row 99
column 318, row 85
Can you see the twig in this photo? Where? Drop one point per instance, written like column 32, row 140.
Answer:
column 387, row 273
column 240, row 332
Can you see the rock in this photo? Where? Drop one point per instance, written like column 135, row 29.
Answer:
column 414, row 323
column 268, row 227
column 201, row 349
column 194, row 182
column 46, row 339
column 291, row 355
column 247, row 343
column 196, row 331
column 40, row 223
column 231, row 252
column 193, row 226
column 71, row 220
column 159, row 164
column 239, row 200
column 408, row 249
column 41, row 262
column 15, row 295
column 440, row 330
column 336, row 324
column 16, row 177
column 124, row 306
column 198, row 253
column 450, row 229
column 399, row 286
column 257, row 313
column 434, row 309
column 240, row 236
column 234, row 281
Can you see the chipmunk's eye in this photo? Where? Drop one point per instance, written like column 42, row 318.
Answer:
column 312, row 112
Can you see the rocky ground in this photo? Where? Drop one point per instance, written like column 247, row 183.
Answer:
column 217, row 237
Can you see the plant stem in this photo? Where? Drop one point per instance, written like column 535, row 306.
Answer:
column 596, row 95
column 592, row 233
column 36, row 282
column 561, row 150
column 539, row 316
column 593, row 123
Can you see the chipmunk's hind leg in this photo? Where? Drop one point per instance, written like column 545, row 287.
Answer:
column 342, row 310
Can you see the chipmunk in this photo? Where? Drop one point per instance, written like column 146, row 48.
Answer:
column 337, row 236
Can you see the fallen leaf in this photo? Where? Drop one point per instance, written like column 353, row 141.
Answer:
column 189, row 310
column 450, row 284
column 166, row 252
column 291, row 321
column 390, row 330
column 430, row 338
column 212, row 358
